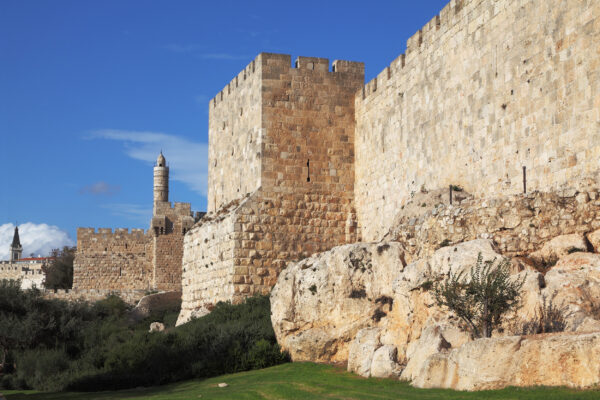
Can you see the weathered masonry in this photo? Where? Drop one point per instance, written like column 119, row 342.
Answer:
column 307, row 157
column 123, row 261
column 486, row 88
column 281, row 176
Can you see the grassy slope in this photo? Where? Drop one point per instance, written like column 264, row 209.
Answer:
column 302, row 381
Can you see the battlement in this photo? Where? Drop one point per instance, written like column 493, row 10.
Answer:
column 255, row 70
column 175, row 209
column 104, row 232
column 440, row 28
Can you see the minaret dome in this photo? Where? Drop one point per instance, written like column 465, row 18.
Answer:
column 160, row 161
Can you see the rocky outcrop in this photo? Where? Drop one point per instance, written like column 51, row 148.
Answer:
column 518, row 224
column 559, row 247
column 156, row 302
column 362, row 304
column 574, row 284
column 157, row 327
column 540, row 360
column 319, row 304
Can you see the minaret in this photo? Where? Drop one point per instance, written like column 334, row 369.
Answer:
column 16, row 250
column 161, row 181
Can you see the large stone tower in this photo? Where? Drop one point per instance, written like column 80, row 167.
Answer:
column 281, row 177
column 161, row 181
column 16, row 250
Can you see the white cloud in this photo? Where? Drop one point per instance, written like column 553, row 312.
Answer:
column 134, row 212
column 100, row 188
column 38, row 239
column 187, row 160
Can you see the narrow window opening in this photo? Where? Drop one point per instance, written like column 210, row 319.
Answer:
column 296, row 64
column 333, row 68
column 308, row 171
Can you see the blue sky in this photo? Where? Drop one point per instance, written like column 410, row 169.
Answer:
column 90, row 91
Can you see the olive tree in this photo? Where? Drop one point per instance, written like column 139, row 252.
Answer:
column 482, row 297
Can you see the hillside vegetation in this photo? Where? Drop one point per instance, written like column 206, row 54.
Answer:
column 53, row 345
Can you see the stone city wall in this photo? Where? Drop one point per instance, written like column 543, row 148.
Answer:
column 484, row 89
column 112, row 261
column 208, row 267
column 167, row 247
column 241, row 251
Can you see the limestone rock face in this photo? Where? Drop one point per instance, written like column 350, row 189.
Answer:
column 385, row 362
column 559, row 247
column 319, row 304
column 362, row 349
column 574, row 283
column 362, row 305
column 432, row 341
column 155, row 302
column 547, row 360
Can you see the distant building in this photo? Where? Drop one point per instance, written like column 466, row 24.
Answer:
column 28, row 270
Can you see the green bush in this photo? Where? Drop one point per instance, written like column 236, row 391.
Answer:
column 482, row 298
column 98, row 347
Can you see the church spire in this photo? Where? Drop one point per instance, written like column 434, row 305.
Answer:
column 16, row 250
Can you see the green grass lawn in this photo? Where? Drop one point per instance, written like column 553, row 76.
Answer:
column 302, row 381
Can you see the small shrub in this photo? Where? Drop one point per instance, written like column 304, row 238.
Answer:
column 549, row 318
column 483, row 298
column 313, row 289
column 456, row 188
column 574, row 250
